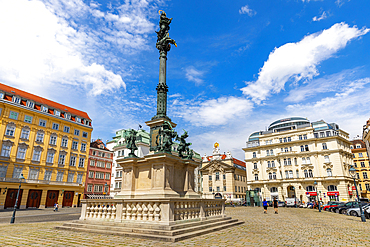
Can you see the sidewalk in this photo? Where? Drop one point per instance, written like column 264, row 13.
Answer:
column 37, row 211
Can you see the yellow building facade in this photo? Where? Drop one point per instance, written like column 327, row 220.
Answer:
column 48, row 143
column 362, row 165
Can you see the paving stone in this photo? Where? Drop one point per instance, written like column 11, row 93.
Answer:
column 291, row 227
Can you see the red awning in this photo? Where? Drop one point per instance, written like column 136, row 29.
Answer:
column 333, row 193
column 353, row 187
column 311, row 193
column 349, row 192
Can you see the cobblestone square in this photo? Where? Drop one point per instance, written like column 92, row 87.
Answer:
column 291, row 227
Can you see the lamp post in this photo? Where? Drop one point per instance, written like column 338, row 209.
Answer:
column 16, row 200
column 105, row 193
column 295, row 198
column 352, row 172
column 317, row 196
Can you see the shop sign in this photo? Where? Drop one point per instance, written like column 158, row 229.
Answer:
column 311, row 193
column 353, row 187
column 333, row 193
column 350, row 193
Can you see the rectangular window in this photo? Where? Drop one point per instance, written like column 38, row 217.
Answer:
column 72, row 161
column 358, row 175
column 98, row 188
column 224, row 188
column 21, row 153
column 89, row 188
column 256, row 177
column 108, row 165
column 36, row 155
column 286, row 174
column 304, row 137
column 100, row 164
column 290, row 174
column 306, row 148
column 83, row 146
column 61, row 159
column 16, row 100
column 79, row 178
column 74, row 145
column 55, row 126
column 53, row 140
column 42, row 123
column 77, row 132
column 218, row 188
column 10, row 130
column 40, row 137
column 64, row 142
column 50, row 157
column 362, row 164
column 367, row 187
column 217, row 176
column 107, row 176
column 360, row 155
column 47, row 175
column 92, row 162
column 25, row 134
column 57, row 113
column 44, row 108
column 210, row 177
column 300, row 137
column 30, row 104
column 13, row 115
column 78, row 120
column 289, row 139
column 59, row 176
column 324, row 146
column 28, row 119
column 3, row 170
column 302, row 148
column 71, row 177
column 99, row 175
column 5, row 151
column 364, row 174
column 81, row 162
column 91, row 174
column 17, row 172
column 33, row 174
column 272, row 163
column 66, row 129
column 84, row 134
column 224, row 176
column 67, row 116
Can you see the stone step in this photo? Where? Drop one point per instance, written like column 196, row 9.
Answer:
column 142, row 229
column 183, row 234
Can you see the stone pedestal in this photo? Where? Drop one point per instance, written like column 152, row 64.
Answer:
column 154, row 126
column 160, row 175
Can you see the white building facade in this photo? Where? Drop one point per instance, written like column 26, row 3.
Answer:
column 295, row 158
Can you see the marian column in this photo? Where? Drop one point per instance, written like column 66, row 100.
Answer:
column 161, row 121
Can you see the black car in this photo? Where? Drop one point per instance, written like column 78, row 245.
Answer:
column 343, row 209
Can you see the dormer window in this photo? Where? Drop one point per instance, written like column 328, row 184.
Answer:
column 30, row 104
column 16, row 99
column 44, row 108
column 1, row 95
column 57, row 113
column 78, row 120
column 67, row 116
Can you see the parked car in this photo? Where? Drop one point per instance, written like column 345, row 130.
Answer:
column 281, row 204
column 355, row 211
column 291, row 202
column 332, row 208
column 343, row 209
column 331, row 204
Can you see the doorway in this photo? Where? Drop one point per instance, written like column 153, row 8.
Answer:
column 68, row 198
column 291, row 191
column 11, row 197
column 51, row 198
column 34, row 198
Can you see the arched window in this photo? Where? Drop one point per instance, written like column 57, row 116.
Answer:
column 332, row 188
column 326, row 159
column 256, row 177
column 329, row 173
column 310, row 174
column 270, row 175
column 274, row 175
column 305, row 174
column 254, row 155
column 272, row 163
column 274, row 190
column 268, row 164
column 302, row 148
column 310, row 188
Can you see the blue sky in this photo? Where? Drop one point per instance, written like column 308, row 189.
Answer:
column 239, row 65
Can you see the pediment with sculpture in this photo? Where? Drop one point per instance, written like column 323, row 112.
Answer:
column 216, row 166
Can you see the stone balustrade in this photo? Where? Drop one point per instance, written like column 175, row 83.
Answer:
column 151, row 210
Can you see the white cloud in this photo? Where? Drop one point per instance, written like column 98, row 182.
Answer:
column 333, row 83
column 323, row 16
column 298, row 61
column 246, row 10
column 194, row 75
column 216, row 112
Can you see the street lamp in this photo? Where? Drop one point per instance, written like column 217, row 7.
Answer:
column 352, row 172
column 317, row 196
column 295, row 197
column 105, row 189
column 16, row 200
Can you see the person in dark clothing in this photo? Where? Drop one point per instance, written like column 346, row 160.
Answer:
column 265, row 206
column 275, row 203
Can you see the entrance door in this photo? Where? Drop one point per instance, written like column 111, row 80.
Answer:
column 51, row 198
column 291, row 191
column 34, row 198
column 79, row 200
column 68, row 198
column 11, row 197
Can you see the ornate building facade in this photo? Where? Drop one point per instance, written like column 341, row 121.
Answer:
column 298, row 158
column 362, row 165
column 222, row 176
column 45, row 141
column 99, row 170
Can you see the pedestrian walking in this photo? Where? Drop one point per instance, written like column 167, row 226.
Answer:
column 265, row 206
column 56, row 206
column 275, row 205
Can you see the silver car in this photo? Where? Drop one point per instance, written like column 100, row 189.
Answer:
column 356, row 211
